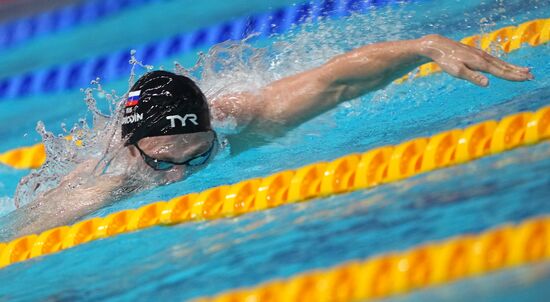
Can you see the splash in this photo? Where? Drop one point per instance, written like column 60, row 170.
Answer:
column 94, row 141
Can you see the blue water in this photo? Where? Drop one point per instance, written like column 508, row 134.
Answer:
column 205, row 258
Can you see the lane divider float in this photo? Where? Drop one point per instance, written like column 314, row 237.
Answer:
column 345, row 174
column 114, row 65
column 400, row 272
column 67, row 17
column 536, row 32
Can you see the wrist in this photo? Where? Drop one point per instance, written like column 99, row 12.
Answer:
column 427, row 45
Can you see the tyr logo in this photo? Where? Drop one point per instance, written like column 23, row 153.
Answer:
column 188, row 117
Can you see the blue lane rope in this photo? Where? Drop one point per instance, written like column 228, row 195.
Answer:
column 115, row 65
column 45, row 23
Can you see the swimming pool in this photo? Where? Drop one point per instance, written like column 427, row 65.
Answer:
column 205, row 258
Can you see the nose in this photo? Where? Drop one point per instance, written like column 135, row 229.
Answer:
column 175, row 174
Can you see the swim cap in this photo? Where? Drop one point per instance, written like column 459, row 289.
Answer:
column 163, row 103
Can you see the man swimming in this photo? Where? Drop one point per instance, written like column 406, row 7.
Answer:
column 166, row 123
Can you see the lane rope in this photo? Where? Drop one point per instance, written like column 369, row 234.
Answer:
column 114, row 65
column 345, row 174
column 67, row 17
column 400, row 272
column 535, row 33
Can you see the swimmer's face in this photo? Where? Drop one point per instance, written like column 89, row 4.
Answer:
column 192, row 149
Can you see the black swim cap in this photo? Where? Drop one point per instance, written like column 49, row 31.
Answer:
column 163, row 103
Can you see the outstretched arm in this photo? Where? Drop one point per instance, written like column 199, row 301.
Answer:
column 295, row 99
column 71, row 199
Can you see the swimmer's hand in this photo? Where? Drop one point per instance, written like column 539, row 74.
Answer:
column 466, row 62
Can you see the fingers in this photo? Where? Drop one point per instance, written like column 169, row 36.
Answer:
column 499, row 68
column 505, row 70
column 498, row 71
column 467, row 62
column 500, row 63
column 474, row 77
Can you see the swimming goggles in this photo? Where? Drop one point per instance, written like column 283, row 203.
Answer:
column 163, row 165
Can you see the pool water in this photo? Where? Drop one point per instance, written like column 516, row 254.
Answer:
column 205, row 258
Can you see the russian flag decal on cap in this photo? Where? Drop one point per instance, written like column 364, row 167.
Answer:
column 133, row 98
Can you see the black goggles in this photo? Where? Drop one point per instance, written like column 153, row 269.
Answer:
column 163, row 165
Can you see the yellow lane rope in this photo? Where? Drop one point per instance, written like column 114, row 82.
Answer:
column 345, row 174
column 396, row 273
column 508, row 39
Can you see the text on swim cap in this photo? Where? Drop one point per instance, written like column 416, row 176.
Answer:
column 191, row 117
column 136, row 117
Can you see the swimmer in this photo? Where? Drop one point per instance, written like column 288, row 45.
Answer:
column 166, row 124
